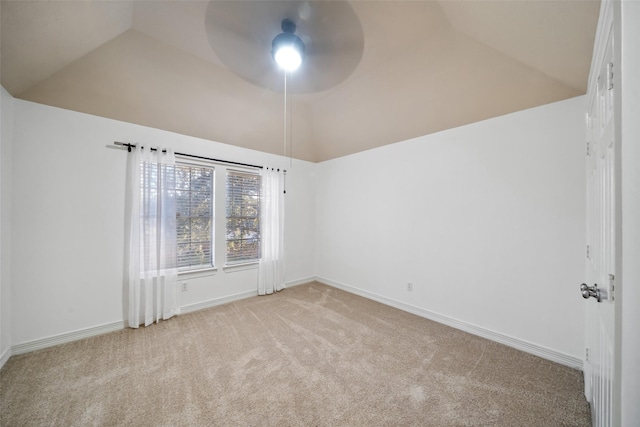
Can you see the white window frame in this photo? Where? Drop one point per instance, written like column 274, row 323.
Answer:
column 219, row 220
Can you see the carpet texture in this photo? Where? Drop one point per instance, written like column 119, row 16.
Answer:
column 311, row 355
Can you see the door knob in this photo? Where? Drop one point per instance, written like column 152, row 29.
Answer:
column 591, row 291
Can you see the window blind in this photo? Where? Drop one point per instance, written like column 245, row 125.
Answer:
column 243, row 217
column 194, row 216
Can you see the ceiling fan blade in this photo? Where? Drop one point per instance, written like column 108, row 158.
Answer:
column 241, row 32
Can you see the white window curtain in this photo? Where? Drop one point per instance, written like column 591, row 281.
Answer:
column 153, row 274
column 271, row 267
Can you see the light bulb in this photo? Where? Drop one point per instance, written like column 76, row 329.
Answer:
column 288, row 58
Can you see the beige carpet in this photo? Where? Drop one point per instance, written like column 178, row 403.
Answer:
column 311, row 355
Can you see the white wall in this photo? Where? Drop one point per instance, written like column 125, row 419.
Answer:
column 486, row 220
column 6, row 140
column 68, row 220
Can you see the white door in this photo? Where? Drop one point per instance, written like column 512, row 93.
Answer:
column 601, row 232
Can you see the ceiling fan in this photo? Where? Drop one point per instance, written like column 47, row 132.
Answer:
column 243, row 35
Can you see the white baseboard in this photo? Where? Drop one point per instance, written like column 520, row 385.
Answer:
column 109, row 327
column 217, row 301
column 67, row 337
column 39, row 344
column 4, row 357
column 516, row 343
column 303, row 281
column 235, row 297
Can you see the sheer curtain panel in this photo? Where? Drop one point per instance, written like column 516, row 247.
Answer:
column 153, row 274
column 271, row 267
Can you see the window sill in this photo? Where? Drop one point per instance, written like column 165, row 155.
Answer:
column 200, row 272
column 240, row 267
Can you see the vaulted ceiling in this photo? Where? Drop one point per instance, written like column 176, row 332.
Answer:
column 378, row 72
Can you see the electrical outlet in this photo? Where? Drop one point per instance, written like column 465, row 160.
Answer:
column 410, row 286
column 184, row 286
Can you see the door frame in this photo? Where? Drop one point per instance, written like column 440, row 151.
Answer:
column 627, row 126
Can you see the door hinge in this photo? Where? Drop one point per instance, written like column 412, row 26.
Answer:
column 586, row 354
column 610, row 75
column 588, row 150
column 612, row 279
column 588, row 252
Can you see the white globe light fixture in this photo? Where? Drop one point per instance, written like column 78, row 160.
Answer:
column 288, row 58
column 287, row 48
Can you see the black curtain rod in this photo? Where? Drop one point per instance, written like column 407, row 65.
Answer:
column 129, row 146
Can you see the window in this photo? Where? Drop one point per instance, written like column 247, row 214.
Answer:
column 194, row 216
column 243, row 217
